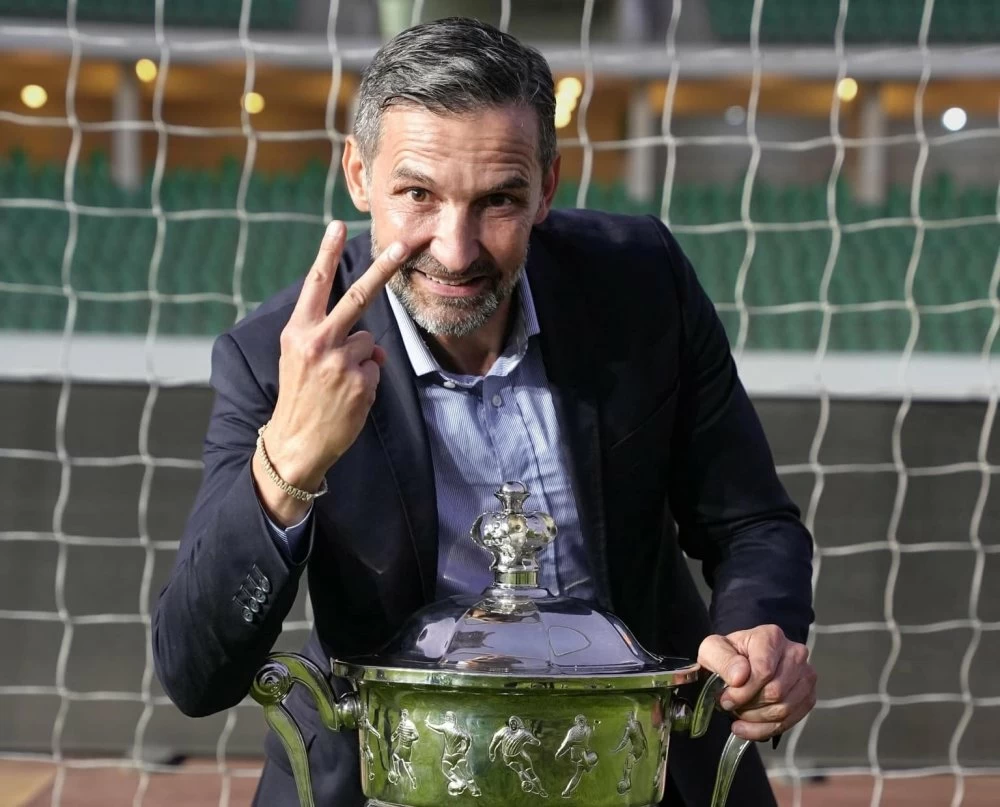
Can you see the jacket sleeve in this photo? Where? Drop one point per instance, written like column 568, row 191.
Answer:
column 732, row 511
column 231, row 587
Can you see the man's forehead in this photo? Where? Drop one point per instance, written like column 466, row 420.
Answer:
column 504, row 133
column 487, row 176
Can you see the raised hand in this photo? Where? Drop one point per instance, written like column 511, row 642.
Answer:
column 327, row 376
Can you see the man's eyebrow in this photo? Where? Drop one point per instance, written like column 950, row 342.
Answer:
column 514, row 183
column 402, row 173
column 511, row 183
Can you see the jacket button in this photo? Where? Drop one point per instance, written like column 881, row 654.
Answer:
column 259, row 595
column 265, row 585
column 247, row 615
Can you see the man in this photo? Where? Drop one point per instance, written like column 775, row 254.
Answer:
column 635, row 739
column 577, row 744
column 454, row 758
column 513, row 740
column 403, row 738
column 475, row 337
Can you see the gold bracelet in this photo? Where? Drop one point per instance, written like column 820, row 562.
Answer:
column 288, row 489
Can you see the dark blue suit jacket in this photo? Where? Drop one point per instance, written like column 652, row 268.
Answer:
column 666, row 452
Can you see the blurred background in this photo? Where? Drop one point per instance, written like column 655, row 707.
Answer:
column 832, row 170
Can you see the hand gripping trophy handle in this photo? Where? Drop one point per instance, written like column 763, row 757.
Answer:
column 696, row 721
column 270, row 688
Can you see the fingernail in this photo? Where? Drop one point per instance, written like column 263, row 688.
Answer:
column 397, row 251
column 727, row 704
column 334, row 229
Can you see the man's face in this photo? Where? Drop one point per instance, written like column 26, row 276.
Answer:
column 463, row 191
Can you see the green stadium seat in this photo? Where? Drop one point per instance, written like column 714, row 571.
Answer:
column 891, row 21
column 113, row 253
column 805, row 329
column 973, row 328
column 264, row 14
column 765, row 332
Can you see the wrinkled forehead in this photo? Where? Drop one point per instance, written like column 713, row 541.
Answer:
column 458, row 147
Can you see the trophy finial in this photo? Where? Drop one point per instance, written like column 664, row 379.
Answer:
column 513, row 537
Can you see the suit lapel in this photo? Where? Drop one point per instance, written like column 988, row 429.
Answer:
column 399, row 423
column 568, row 350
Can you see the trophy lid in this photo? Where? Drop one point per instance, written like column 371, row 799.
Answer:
column 514, row 627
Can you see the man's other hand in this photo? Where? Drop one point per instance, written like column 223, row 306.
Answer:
column 771, row 684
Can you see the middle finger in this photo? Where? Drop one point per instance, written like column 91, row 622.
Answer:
column 359, row 346
column 359, row 295
column 778, row 711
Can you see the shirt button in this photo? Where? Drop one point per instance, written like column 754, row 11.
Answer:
column 449, row 384
column 497, row 400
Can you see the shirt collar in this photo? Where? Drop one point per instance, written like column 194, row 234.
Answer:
column 423, row 361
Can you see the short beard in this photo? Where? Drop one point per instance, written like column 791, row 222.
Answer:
column 456, row 316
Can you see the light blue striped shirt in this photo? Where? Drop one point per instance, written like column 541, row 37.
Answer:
column 483, row 431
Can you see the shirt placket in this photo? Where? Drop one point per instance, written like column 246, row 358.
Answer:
column 507, row 431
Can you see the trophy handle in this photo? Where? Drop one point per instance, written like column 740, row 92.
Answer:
column 695, row 722
column 270, row 688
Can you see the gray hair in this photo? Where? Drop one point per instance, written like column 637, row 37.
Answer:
column 455, row 65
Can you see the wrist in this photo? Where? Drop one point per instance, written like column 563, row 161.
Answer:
column 291, row 461
column 281, row 508
column 285, row 500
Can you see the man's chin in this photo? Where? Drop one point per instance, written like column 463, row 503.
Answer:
column 447, row 316
column 449, row 322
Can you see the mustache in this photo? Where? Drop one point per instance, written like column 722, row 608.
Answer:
column 427, row 264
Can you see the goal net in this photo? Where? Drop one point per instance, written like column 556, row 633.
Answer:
column 831, row 173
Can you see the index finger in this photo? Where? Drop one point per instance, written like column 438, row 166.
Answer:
column 362, row 291
column 316, row 288
column 765, row 652
column 719, row 655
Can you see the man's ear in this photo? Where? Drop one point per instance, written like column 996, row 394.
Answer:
column 356, row 175
column 550, row 181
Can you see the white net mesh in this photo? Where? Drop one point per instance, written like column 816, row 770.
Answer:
column 903, row 377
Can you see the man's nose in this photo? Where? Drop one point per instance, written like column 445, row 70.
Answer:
column 456, row 240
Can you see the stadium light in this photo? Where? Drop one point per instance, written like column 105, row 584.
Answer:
column 564, row 115
column 568, row 91
column 847, row 89
column 569, row 86
column 253, row 102
column 146, row 70
column 954, row 119
column 33, row 96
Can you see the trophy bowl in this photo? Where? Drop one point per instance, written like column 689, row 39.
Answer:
column 505, row 697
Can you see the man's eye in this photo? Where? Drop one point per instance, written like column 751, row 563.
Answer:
column 498, row 200
column 417, row 194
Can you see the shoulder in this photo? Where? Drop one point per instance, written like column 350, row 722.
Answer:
column 627, row 267
column 611, row 247
column 605, row 233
